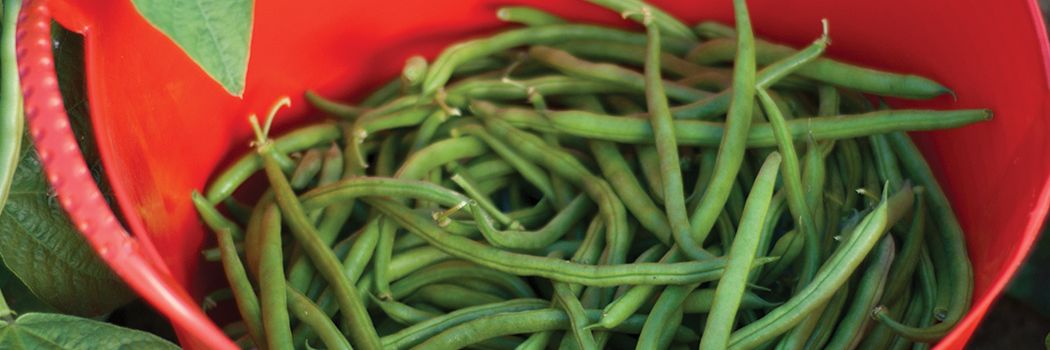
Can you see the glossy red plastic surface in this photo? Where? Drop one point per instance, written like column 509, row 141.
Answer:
column 164, row 127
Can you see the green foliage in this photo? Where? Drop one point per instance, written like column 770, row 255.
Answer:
column 214, row 33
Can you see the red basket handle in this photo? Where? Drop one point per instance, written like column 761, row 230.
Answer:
column 79, row 195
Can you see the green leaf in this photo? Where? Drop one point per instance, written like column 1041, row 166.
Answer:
column 40, row 245
column 214, row 33
column 55, row 331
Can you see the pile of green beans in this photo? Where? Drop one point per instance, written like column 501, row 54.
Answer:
column 575, row 186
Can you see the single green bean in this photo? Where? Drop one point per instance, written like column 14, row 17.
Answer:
column 663, row 130
column 343, row 111
column 272, row 285
column 11, row 109
column 702, row 133
column 453, row 296
column 458, row 270
column 457, row 54
column 403, row 313
column 241, row 286
column 733, row 146
column 310, row 314
column 911, row 250
column 872, row 284
column 526, row 15
column 660, row 19
column 307, row 169
column 731, row 288
column 633, row 55
column 555, row 229
column 570, row 65
column 667, row 309
column 826, row 70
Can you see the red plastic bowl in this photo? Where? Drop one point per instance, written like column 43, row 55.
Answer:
column 164, row 127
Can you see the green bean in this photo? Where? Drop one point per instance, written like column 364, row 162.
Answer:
column 307, row 169
column 826, row 70
column 11, row 109
column 354, row 314
column 555, row 229
column 830, row 277
column 787, row 247
column 310, row 314
column 624, row 306
column 454, row 270
column 792, row 177
column 699, row 301
column 649, row 161
column 386, row 159
column 375, row 121
column 428, row 128
column 660, row 19
column 414, row 71
column 381, row 258
column 732, row 148
column 531, row 321
column 565, row 165
column 243, row 292
column 343, row 111
column 959, row 273
column 526, row 15
column 419, row 332
column 701, row 133
column 568, row 64
column 383, row 94
column 460, row 93
column 792, row 174
column 713, row 30
column 632, row 55
column 529, row 170
column 828, row 321
column 911, row 250
column 559, row 270
column 570, row 304
column 455, row 55
column 870, row 289
column 403, row 313
column 620, row 176
column 453, row 297
column 712, row 80
column 272, row 294
column 665, row 312
column 663, row 129
column 885, row 161
column 468, row 185
column 881, row 336
column 731, row 287
column 916, row 311
column 234, row 175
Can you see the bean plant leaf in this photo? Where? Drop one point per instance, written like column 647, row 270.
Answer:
column 214, row 33
column 55, row 331
column 40, row 245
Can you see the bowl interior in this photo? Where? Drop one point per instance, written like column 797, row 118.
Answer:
column 164, row 127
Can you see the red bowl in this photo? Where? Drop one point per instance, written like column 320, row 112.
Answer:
column 163, row 127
